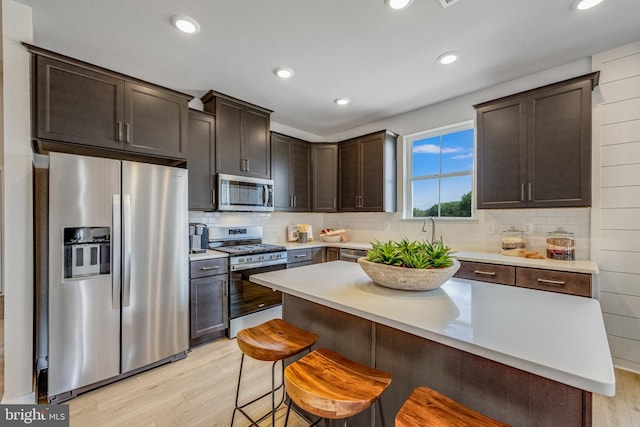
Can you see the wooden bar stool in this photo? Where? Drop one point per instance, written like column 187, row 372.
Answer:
column 272, row 341
column 330, row 386
column 428, row 408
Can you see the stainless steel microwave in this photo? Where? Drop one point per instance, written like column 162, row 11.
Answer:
column 245, row 194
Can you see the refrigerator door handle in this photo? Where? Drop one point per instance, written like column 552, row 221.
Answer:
column 126, row 218
column 116, row 262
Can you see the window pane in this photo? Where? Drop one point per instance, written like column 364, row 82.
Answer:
column 457, row 151
column 426, row 156
column 456, row 196
column 425, row 198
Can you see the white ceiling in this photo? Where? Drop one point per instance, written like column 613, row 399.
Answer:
column 384, row 60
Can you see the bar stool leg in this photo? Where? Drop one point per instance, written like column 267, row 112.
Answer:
column 381, row 413
column 273, row 396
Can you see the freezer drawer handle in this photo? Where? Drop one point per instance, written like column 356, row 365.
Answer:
column 215, row 267
column 300, row 256
column 485, row 273
column 552, row 282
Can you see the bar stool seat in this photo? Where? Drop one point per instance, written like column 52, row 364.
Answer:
column 328, row 385
column 271, row 341
column 428, row 408
column 274, row 340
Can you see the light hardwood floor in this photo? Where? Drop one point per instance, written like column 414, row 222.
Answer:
column 200, row 391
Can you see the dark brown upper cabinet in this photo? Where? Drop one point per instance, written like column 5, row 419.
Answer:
column 290, row 161
column 82, row 104
column 367, row 173
column 242, row 136
column 534, row 148
column 201, row 161
column 324, row 177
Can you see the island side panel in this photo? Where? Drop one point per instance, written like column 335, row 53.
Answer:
column 344, row 333
column 496, row 390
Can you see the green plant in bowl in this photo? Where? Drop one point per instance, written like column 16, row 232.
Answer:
column 407, row 265
column 410, row 254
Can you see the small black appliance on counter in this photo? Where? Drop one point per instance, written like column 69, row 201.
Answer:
column 198, row 238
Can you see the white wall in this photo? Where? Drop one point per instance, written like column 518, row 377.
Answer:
column 616, row 236
column 18, row 228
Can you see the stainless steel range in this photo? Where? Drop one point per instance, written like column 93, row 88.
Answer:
column 249, row 304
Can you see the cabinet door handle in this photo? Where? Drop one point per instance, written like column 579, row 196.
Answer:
column 128, row 133
column 300, row 256
column 529, row 190
column 260, row 305
column 295, row 201
column 247, row 163
column 485, row 273
column 522, row 192
column 215, row 267
column 334, row 203
column 119, row 136
column 242, row 167
column 552, row 282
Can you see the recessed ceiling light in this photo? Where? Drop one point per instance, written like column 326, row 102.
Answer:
column 448, row 58
column 398, row 4
column 283, row 72
column 342, row 101
column 185, row 23
column 587, row 4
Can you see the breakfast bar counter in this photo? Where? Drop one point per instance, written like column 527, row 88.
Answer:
column 521, row 356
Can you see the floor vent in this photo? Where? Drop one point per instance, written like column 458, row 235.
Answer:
column 447, row 3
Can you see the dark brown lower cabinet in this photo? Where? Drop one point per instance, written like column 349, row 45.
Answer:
column 306, row 256
column 563, row 282
column 209, row 300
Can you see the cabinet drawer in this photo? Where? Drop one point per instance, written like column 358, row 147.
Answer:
column 502, row 274
column 554, row 281
column 208, row 267
column 299, row 255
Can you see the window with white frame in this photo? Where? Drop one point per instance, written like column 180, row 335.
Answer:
column 439, row 174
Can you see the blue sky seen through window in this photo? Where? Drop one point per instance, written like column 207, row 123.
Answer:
column 435, row 156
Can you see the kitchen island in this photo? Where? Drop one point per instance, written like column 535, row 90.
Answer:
column 518, row 355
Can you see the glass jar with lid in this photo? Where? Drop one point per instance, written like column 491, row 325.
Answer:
column 561, row 244
column 513, row 242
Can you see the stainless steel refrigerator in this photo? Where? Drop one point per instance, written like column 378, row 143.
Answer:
column 116, row 294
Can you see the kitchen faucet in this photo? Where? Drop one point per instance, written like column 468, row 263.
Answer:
column 433, row 228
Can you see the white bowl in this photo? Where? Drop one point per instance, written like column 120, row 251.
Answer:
column 332, row 239
column 408, row 279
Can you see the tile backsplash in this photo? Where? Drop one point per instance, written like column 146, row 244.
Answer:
column 479, row 234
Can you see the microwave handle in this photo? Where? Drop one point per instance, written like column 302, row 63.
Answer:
column 265, row 195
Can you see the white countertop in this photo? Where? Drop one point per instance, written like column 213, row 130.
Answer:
column 579, row 266
column 209, row 254
column 560, row 337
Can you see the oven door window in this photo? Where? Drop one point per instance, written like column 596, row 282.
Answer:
column 247, row 297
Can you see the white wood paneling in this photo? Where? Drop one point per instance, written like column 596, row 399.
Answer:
column 618, row 179
column 620, row 197
column 617, row 133
column 623, row 262
column 624, row 348
column 622, row 326
column 615, row 91
column 620, row 304
column 620, row 154
column 621, row 283
column 626, row 365
column 620, row 219
column 620, row 240
column 616, row 68
column 620, row 176
column 616, row 112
